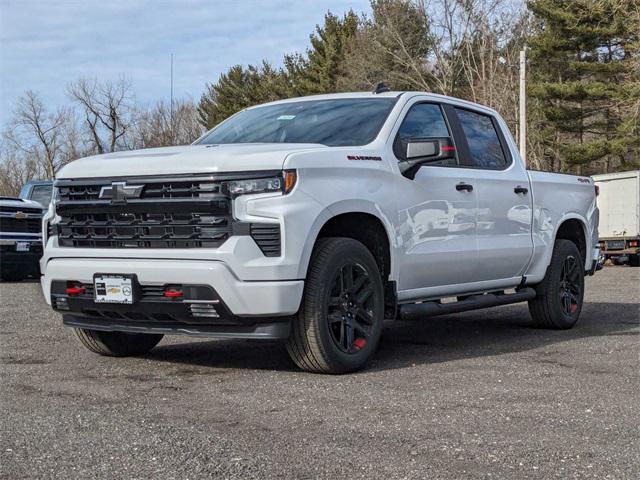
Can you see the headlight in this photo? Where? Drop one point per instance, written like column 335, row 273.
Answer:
column 283, row 183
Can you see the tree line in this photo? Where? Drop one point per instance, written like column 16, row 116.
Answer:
column 102, row 117
column 583, row 83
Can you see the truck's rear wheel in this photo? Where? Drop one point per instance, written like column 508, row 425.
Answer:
column 117, row 344
column 340, row 320
column 559, row 296
column 634, row 260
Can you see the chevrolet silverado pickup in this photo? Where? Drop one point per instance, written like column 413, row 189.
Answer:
column 312, row 220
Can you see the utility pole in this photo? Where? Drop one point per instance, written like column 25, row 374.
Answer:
column 523, row 106
column 171, row 101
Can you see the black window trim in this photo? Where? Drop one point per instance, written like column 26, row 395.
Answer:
column 465, row 151
column 452, row 134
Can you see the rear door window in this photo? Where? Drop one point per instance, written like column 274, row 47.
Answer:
column 485, row 148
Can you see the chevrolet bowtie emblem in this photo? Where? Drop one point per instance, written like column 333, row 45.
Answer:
column 119, row 192
column 21, row 215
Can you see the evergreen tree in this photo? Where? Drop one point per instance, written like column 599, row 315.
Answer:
column 584, row 80
column 317, row 72
column 320, row 70
column 240, row 88
column 392, row 46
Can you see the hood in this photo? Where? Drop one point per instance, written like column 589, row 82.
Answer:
column 19, row 203
column 185, row 160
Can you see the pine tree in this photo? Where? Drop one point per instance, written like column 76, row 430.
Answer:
column 240, row 88
column 584, row 82
column 319, row 71
column 315, row 72
column 391, row 46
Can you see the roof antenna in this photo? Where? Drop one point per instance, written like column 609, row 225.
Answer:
column 381, row 88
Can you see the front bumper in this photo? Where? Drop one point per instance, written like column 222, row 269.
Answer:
column 595, row 261
column 266, row 330
column 24, row 261
column 246, row 302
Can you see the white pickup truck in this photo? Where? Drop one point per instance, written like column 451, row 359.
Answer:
column 312, row 220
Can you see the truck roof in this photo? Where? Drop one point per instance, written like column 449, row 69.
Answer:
column 611, row 176
column 391, row 94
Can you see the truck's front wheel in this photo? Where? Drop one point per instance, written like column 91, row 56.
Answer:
column 340, row 320
column 117, row 344
column 559, row 296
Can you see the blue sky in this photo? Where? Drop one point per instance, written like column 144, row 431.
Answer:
column 44, row 44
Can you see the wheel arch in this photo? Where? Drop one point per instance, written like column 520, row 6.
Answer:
column 570, row 226
column 362, row 221
column 574, row 228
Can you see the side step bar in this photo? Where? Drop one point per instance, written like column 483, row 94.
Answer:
column 417, row 311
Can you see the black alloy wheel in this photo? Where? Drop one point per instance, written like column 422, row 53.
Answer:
column 350, row 308
column 560, row 295
column 570, row 288
column 339, row 324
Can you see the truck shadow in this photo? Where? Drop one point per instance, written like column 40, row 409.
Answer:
column 440, row 339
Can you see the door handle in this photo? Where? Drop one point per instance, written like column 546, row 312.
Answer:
column 522, row 190
column 464, row 186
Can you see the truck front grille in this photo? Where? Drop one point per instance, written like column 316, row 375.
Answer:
column 20, row 225
column 165, row 213
column 30, row 211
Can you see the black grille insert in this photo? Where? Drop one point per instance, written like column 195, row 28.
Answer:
column 20, row 225
column 168, row 213
column 33, row 211
column 267, row 236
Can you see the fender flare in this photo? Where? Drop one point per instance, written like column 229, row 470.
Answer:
column 339, row 208
column 585, row 233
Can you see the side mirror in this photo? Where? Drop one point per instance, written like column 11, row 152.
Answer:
column 419, row 151
column 422, row 148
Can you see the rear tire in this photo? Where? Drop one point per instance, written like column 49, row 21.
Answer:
column 117, row 344
column 338, row 326
column 634, row 260
column 560, row 295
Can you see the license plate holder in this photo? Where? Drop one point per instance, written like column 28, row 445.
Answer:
column 615, row 244
column 114, row 288
column 22, row 246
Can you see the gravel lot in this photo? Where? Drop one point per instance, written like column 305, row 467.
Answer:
column 472, row 395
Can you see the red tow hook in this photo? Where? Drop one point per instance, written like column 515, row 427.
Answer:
column 76, row 290
column 172, row 293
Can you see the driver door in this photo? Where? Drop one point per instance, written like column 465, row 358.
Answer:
column 436, row 212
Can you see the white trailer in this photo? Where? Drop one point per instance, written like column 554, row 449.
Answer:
column 619, row 203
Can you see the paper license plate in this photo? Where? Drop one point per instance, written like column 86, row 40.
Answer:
column 113, row 288
column 22, row 246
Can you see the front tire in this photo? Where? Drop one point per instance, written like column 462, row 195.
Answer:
column 117, row 344
column 339, row 323
column 560, row 294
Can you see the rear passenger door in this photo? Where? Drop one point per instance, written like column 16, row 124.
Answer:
column 504, row 213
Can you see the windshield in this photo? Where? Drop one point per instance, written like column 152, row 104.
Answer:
column 42, row 194
column 343, row 122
